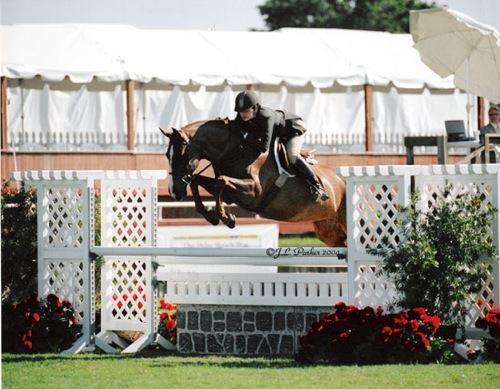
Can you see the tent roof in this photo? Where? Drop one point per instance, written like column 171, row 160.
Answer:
column 291, row 55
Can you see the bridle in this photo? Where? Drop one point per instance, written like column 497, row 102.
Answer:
column 183, row 143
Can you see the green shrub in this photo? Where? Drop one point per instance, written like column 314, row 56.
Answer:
column 444, row 256
column 19, row 243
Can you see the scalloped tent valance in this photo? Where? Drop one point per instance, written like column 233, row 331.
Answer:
column 295, row 57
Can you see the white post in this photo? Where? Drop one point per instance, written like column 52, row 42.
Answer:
column 128, row 219
column 64, row 266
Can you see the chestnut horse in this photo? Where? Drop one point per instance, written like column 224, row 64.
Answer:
column 247, row 178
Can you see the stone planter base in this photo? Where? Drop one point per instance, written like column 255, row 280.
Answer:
column 243, row 330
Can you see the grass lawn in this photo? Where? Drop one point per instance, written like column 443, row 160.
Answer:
column 300, row 241
column 173, row 371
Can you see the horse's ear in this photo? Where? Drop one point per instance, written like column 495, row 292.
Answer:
column 168, row 131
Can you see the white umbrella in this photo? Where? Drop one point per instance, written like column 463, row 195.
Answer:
column 452, row 43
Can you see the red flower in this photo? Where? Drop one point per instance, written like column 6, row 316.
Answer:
column 434, row 321
column 119, row 304
column 35, row 317
column 28, row 344
column 380, row 310
column 171, row 307
column 400, row 322
column 419, row 311
column 340, row 305
column 163, row 316
column 343, row 335
column 66, row 304
column 139, row 305
column 52, row 298
column 413, row 325
column 386, row 333
column 479, row 303
column 472, row 355
column 171, row 324
column 422, row 339
column 163, row 304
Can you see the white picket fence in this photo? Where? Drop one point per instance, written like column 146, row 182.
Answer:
column 132, row 265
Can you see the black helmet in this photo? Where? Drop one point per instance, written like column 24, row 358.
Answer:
column 245, row 100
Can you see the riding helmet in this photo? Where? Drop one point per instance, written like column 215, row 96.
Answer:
column 245, row 100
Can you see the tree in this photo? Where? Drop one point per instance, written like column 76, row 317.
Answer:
column 378, row 15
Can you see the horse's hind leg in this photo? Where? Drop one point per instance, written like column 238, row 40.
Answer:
column 332, row 232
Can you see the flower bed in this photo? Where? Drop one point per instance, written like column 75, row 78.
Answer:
column 168, row 322
column 491, row 342
column 39, row 326
column 368, row 336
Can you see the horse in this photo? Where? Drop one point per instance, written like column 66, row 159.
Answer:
column 251, row 180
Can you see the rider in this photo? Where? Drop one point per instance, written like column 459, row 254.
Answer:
column 259, row 124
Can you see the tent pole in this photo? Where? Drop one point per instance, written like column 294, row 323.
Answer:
column 5, row 141
column 368, row 117
column 129, row 84
column 480, row 112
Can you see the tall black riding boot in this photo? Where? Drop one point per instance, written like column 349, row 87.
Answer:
column 317, row 190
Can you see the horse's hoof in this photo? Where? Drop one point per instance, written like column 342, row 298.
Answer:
column 231, row 221
column 212, row 217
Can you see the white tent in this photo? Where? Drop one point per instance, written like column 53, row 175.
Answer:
column 66, row 82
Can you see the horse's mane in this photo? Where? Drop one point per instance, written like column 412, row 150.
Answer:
column 192, row 128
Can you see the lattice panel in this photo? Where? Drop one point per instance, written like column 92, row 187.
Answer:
column 482, row 301
column 370, row 288
column 66, row 279
column 63, row 217
column 129, row 290
column 432, row 192
column 375, row 214
column 127, row 216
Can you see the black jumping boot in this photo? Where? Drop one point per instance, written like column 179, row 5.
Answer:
column 317, row 190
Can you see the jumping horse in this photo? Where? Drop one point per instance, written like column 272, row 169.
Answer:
column 254, row 181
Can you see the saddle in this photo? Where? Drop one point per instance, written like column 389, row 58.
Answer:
column 284, row 170
column 281, row 157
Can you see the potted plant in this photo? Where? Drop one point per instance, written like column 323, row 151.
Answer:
column 444, row 255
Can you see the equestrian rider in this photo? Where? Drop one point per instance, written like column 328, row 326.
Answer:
column 259, row 124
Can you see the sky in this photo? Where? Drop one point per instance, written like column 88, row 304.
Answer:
column 240, row 15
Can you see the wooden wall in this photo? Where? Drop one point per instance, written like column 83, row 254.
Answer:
column 126, row 160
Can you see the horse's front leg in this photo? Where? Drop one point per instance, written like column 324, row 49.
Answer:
column 210, row 215
column 235, row 187
column 227, row 218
